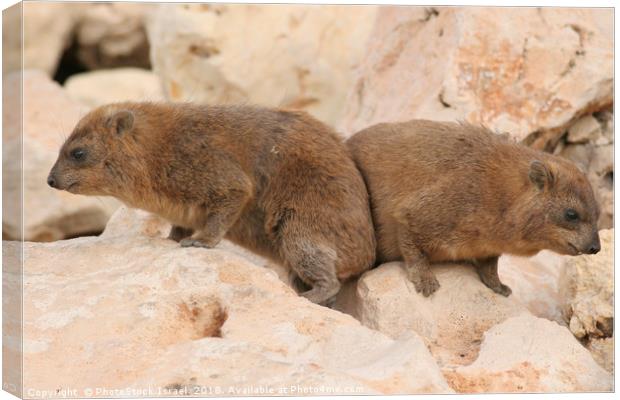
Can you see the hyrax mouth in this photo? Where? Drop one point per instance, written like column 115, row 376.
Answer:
column 574, row 249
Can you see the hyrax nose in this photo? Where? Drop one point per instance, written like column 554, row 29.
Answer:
column 595, row 247
column 51, row 181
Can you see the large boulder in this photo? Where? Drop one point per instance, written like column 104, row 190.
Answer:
column 99, row 35
column 587, row 289
column 294, row 56
column 48, row 115
column 529, row 71
column 587, row 292
column 100, row 87
column 535, row 283
column 175, row 320
column 48, row 29
column 483, row 342
column 113, row 35
column 528, row 354
column 452, row 321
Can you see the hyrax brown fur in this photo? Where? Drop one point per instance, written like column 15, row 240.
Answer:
column 277, row 182
column 449, row 191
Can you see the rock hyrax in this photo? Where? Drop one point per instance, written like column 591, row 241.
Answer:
column 277, row 182
column 449, row 191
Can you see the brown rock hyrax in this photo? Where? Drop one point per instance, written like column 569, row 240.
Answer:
column 450, row 191
column 277, row 182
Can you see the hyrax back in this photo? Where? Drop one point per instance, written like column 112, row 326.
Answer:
column 448, row 191
column 277, row 182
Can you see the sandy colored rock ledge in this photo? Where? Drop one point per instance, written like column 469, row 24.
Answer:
column 530, row 355
column 587, row 287
column 154, row 314
column 452, row 321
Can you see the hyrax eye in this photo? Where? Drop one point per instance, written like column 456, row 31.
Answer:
column 571, row 215
column 78, row 154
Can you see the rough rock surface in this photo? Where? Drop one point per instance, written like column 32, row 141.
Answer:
column 589, row 143
column 530, row 71
column 49, row 116
column 587, row 287
column 529, row 354
column 95, row 88
column 113, row 35
column 483, row 342
column 48, row 28
column 11, row 317
column 535, row 283
column 603, row 352
column 103, row 35
column 295, row 56
column 153, row 314
column 451, row 321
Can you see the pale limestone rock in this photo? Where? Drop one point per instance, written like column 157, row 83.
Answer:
column 584, row 130
column 11, row 317
column 294, row 56
column 529, row 354
column 603, row 352
column 451, row 321
column 606, row 119
column 113, row 35
column 100, row 87
column 128, row 221
column 524, row 71
column 47, row 32
column 155, row 315
column 49, row 214
column 11, row 39
column 587, row 290
column 535, row 282
column 108, row 35
column 135, row 222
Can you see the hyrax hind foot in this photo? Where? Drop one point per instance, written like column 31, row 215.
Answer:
column 487, row 270
column 324, row 296
column 502, row 289
column 314, row 265
column 425, row 282
column 416, row 264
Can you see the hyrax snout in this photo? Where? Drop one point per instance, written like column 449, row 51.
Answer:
column 449, row 191
column 277, row 182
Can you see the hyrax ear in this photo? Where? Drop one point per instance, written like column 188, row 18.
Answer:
column 121, row 121
column 540, row 175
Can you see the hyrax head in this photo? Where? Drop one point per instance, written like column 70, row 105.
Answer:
column 564, row 213
column 88, row 160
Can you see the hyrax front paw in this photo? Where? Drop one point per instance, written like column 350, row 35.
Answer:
column 425, row 283
column 189, row 242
